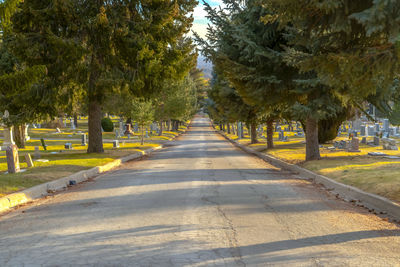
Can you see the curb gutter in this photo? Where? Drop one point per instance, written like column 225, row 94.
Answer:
column 349, row 193
column 39, row 191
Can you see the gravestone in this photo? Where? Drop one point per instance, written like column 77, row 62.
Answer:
column 29, row 161
column 362, row 130
column 12, row 159
column 281, row 135
column 68, row 146
column 392, row 130
column 83, row 139
column 34, row 126
column 377, row 127
column 340, row 144
column 285, row 139
column 353, row 145
column 37, row 153
column 376, row 141
column 364, row 140
column 147, row 134
column 115, row 143
column 27, row 137
column 117, row 135
column 385, row 135
column 356, row 124
column 8, row 136
column 389, row 144
column 58, row 130
column 371, row 130
column 386, row 125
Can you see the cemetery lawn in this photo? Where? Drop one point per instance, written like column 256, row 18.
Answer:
column 64, row 162
column 377, row 175
column 60, row 164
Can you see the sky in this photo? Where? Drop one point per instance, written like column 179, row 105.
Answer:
column 200, row 20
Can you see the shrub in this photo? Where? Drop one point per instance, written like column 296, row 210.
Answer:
column 107, row 125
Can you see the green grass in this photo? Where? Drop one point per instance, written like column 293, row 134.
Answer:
column 376, row 175
column 66, row 162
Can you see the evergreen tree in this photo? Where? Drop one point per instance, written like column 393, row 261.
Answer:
column 102, row 45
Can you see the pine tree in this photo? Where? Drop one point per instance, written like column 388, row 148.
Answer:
column 102, row 45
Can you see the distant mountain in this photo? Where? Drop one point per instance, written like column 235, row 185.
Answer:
column 205, row 66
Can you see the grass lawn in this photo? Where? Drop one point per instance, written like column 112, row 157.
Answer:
column 376, row 175
column 66, row 162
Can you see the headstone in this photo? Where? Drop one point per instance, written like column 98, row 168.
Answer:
column 340, row 144
column 285, row 139
column 83, row 139
column 37, row 153
column 27, row 137
column 386, row 125
column 147, row 134
column 362, row 130
column 8, row 136
column 364, row 140
column 34, row 126
column 376, row 141
column 356, row 124
column 353, row 145
column 281, row 135
column 58, row 130
column 68, row 146
column 389, row 144
column 392, row 130
column 377, row 127
column 115, row 143
column 117, row 135
column 385, row 135
column 29, row 161
column 371, row 130
column 12, row 159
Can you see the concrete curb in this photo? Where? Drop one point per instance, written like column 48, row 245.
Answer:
column 372, row 202
column 45, row 189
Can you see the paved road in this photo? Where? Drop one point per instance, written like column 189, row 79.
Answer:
column 200, row 202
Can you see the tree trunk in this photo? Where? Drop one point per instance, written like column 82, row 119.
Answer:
column 242, row 130
column 19, row 135
column 76, row 120
column 229, row 128
column 95, row 135
column 312, row 145
column 253, row 133
column 169, row 125
column 161, row 128
column 142, row 141
column 270, row 134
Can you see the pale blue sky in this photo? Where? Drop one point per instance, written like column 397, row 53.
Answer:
column 200, row 21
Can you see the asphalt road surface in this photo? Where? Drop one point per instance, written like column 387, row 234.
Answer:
column 198, row 202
